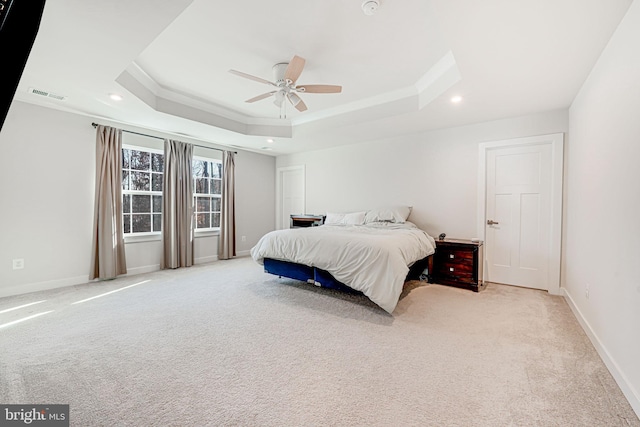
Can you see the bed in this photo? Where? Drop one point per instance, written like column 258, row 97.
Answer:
column 371, row 252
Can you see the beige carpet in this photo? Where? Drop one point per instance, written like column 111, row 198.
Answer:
column 226, row 344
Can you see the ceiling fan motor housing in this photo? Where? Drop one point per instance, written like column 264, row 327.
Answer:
column 278, row 73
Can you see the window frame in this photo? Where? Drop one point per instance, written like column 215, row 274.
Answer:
column 209, row 230
column 144, row 235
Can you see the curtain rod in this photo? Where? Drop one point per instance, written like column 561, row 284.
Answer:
column 158, row 137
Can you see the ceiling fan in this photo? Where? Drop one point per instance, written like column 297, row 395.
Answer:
column 286, row 76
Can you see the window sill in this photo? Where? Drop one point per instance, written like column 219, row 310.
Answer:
column 157, row 237
column 150, row 237
column 206, row 233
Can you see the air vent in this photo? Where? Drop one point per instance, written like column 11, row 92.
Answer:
column 40, row 92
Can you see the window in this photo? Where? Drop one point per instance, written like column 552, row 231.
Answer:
column 207, row 175
column 142, row 177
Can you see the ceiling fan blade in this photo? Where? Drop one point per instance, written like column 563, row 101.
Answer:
column 259, row 97
column 319, row 88
column 250, row 77
column 294, row 69
column 301, row 106
column 296, row 101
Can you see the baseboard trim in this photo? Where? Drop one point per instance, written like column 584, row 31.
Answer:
column 144, row 269
column 627, row 389
column 205, row 259
column 79, row 280
column 43, row 286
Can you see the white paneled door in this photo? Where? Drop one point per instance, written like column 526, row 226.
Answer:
column 290, row 194
column 521, row 222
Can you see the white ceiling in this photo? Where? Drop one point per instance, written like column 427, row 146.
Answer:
column 170, row 60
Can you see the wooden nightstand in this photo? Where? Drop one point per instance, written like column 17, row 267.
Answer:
column 458, row 263
column 306, row 220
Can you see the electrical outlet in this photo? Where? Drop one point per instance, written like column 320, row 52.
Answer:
column 18, row 264
column 243, row 238
column 586, row 291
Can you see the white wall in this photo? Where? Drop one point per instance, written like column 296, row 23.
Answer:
column 47, row 164
column 602, row 209
column 47, row 178
column 435, row 172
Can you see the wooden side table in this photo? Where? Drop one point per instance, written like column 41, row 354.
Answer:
column 306, row 220
column 458, row 262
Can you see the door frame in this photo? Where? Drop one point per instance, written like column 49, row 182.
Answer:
column 280, row 172
column 556, row 140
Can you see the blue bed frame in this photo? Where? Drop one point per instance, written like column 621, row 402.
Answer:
column 324, row 279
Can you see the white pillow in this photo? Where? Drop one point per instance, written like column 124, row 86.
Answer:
column 333, row 218
column 352, row 218
column 396, row 213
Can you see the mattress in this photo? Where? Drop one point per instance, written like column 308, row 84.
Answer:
column 373, row 258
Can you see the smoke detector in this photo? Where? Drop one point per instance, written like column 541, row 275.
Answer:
column 369, row 7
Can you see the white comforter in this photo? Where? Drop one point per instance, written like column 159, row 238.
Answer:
column 373, row 258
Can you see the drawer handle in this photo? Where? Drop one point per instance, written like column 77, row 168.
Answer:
column 451, row 256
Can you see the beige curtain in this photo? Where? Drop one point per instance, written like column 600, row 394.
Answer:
column 107, row 254
column 227, row 240
column 177, row 205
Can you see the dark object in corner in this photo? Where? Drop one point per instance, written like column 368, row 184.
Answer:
column 19, row 24
column 442, row 236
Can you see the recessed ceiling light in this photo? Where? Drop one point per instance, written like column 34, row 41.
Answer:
column 270, row 141
column 115, row 97
column 456, row 99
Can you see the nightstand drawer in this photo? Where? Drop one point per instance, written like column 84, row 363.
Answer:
column 456, row 255
column 456, row 268
column 456, row 272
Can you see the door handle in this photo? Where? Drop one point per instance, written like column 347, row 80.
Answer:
column 492, row 222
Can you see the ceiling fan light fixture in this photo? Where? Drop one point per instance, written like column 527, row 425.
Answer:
column 279, row 98
column 294, row 99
